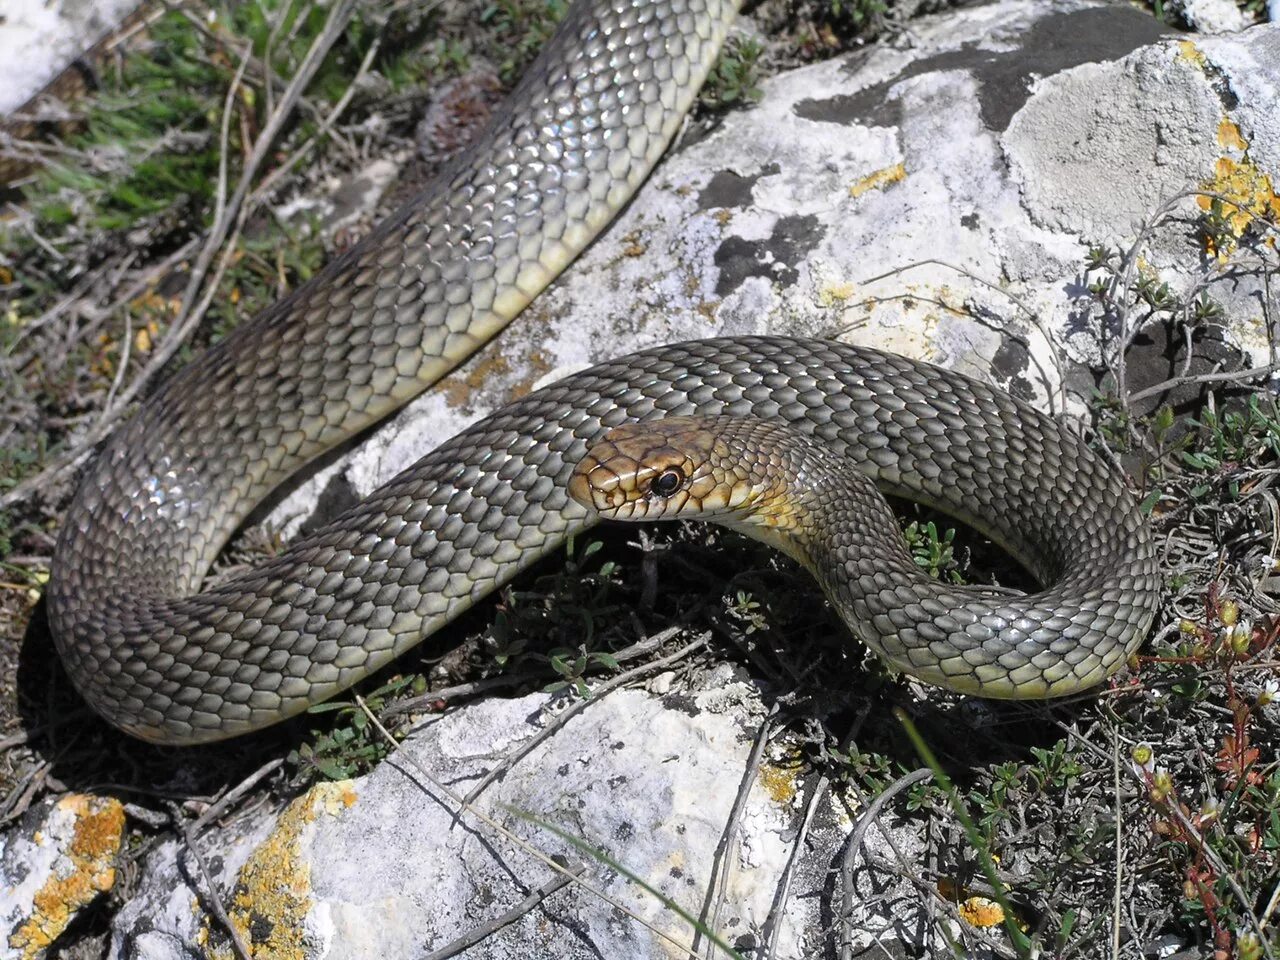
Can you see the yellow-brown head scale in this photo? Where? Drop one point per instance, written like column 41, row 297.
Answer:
column 696, row 468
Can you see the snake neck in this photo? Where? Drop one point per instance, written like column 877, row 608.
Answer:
column 816, row 508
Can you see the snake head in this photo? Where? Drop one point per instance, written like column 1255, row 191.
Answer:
column 695, row 468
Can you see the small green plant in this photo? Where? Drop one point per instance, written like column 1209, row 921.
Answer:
column 1054, row 768
column 856, row 13
column 1238, row 435
column 351, row 746
column 1214, row 457
column 736, row 74
column 932, row 551
column 1113, row 421
column 503, row 642
column 874, row 771
column 572, row 667
column 744, row 608
column 573, row 604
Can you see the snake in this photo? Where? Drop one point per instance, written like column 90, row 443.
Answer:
column 167, row 658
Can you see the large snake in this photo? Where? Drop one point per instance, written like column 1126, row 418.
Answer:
column 430, row 284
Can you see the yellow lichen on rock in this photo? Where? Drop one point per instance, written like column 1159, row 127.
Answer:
column 779, row 783
column 1242, row 193
column 1189, row 52
column 835, row 293
column 272, row 895
column 881, row 178
column 86, row 869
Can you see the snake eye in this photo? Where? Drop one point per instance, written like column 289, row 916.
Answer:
column 667, row 482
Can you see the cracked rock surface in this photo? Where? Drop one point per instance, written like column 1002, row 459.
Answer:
column 378, row 867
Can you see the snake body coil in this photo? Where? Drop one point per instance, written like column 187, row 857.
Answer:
column 429, row 285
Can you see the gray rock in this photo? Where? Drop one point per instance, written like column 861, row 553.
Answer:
column 1077, row 128
column 377, row 867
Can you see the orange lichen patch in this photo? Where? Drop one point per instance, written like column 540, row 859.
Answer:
column 976, row 910
column 881, row 178
column 342, row 796
column 86, row 869
column 459, row 390
column 538, row 366
column 272, row 895
column 634, row 245
column 981, row 912
column 1248, row 196
column 780, row 784
column 1229, row 136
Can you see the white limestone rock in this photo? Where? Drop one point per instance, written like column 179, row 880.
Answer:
column 377, row 867
column 40, row 38
column 1214, row 16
